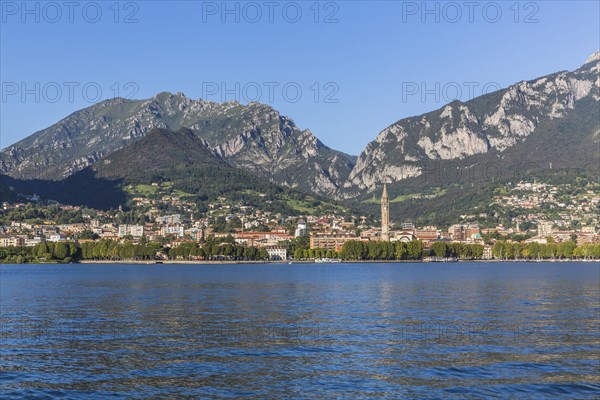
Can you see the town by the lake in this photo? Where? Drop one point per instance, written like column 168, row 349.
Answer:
column 168, row 228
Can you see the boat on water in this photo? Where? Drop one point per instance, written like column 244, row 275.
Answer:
column 440, row 259
column 327, row 260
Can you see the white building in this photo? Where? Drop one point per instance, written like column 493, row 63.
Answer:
column 538, row 239
column 137, row 231
column 545, row 228
column 176, row 230
column 33, row 242
column 12, row 241
column 56, row 238
column 301, row 229
column 277, row 253
column 487, row 252
column 169, row 219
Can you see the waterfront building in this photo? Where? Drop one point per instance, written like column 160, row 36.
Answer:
column 330, row 241
column 487, row 252
column 277, row 252
column 427, row 234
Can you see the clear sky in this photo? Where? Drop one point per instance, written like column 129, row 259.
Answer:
column 360, row 66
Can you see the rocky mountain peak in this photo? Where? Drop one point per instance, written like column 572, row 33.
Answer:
column 254, row 137
column 490, row 124
column 593, row 58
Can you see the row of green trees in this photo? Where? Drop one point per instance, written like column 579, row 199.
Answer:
column 110, row 250
column 413, row 250
column 457, row 250
column 300, row 254
column 534, row 251
column 217, row 251
column 381, row 250
column 115, row 251
column 227, row 249
column 75, row 251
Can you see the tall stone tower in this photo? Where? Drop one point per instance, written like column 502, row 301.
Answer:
column 385, row 215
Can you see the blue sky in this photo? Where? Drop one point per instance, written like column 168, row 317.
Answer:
column 360, row 66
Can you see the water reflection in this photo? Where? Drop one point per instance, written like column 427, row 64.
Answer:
column 343, row 331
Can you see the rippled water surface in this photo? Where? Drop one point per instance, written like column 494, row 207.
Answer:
column 346, row 331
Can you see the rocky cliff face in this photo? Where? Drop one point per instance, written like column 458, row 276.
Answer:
column 495, row 122
column 254, row 137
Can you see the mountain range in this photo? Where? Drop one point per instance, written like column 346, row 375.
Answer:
column 165, row 162
column 253, row 137
column 563, row 107
column 551, row 122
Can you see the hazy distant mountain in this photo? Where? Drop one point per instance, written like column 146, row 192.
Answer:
column 254, row 137
column 562, row 109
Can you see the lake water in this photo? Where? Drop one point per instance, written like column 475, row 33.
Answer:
column 347, row 331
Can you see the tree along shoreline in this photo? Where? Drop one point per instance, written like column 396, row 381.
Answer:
column 292, row 261
column 299, row 262
column 227, row 251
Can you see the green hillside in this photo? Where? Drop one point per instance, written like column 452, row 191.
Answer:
column 177, row 163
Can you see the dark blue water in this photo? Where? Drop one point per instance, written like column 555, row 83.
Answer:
column 499, row 330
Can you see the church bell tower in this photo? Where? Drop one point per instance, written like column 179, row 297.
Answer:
column 385, row 215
